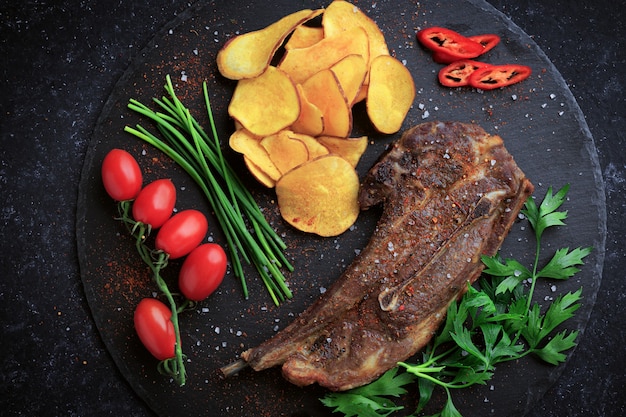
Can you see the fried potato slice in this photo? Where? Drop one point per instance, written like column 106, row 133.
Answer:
column 341, row 16
column 390, row 94
column 302, row 63
column 248, row 55
column 244, row 142
column 350, row 149
column 324, row 91
column 311, row 119
column 266, row 104
column 304, row 36
column 260, row 175
column 351, row 72
column 320, row 196
column 362, row 94
column 315, row 148
column 286, row 152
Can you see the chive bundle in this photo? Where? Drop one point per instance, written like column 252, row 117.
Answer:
column 248, row 234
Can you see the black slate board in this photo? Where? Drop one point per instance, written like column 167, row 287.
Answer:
column 539, row 120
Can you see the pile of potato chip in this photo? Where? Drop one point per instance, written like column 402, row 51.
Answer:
column 294, row 120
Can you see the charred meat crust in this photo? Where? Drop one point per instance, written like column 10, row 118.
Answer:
column 450, row 193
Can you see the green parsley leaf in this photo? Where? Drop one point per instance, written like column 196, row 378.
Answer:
column 370, row 400
column 563, row 263
column 552, row 352
column 511, row 270
column 498, row 344
column 540, row 326
column 357, row 405
column 546, row 215
column 390, row 383
column 560, row 310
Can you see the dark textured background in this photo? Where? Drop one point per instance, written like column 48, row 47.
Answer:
column 59, row 62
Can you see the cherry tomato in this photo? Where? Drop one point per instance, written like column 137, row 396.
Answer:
column 155, row 329
column 496, row 76
column 182, row 233
column 121, row 175
column 155, row 203
column 202, row 271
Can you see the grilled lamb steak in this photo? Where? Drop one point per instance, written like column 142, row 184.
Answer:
column 450, row 193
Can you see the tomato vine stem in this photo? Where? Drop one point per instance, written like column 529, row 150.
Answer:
column 157, row 261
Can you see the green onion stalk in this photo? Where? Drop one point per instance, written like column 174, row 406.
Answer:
column 249, row 236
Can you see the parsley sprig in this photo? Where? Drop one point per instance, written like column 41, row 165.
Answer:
column 496, row 322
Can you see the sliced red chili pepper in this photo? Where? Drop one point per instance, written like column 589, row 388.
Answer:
column 496, row 76
column 488, row 41
column 457, row 74
column 448, row 44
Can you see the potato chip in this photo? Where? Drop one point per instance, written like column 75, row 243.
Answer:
column 260, row 175
column 286, row 152
column 324, row 91
column 247, row 144
column 390, row 94
column 302, row 63
column 350, row 149
column 304, row 36
column 320, row 196
column 249, row 55
column 351, row 72
column 341, row 16
column 266, row 104
column 311, row 119
column 315, row 148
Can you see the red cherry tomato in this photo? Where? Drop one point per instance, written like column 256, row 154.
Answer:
column 182, row 233
column 155, row 203
column 154, row 328
column 121, row 175
column 496, row 76
column 202, row 271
